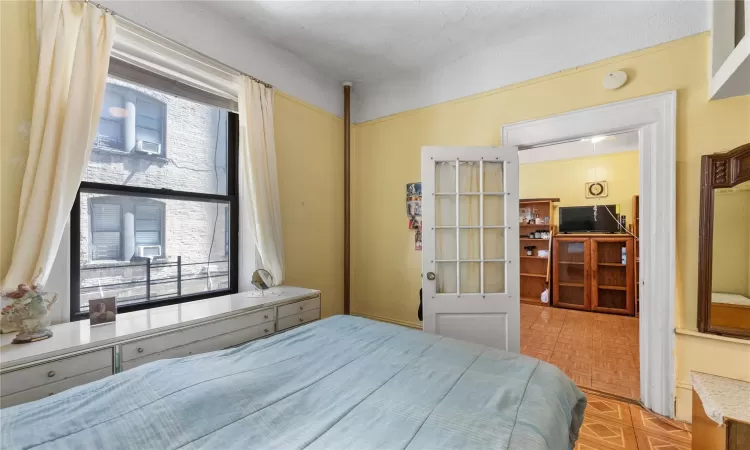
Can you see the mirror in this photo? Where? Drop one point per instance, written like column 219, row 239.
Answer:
column 724, row 263
column 262, row 280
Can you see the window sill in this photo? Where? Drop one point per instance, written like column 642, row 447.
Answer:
column 715, row 337
column 84, row 314
column 131, row 154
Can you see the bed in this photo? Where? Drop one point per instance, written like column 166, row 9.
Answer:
column 730, row 310
column 343, row 382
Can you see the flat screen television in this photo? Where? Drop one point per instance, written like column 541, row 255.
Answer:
column 589, row 219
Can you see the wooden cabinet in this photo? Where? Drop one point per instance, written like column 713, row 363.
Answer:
column 594, row 273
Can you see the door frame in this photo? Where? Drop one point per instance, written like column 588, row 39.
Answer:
column 655, row 118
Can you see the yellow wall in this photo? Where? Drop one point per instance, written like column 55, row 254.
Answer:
column 566, row 180
column 17, row 77
column 310, row 157
column 731, row 246
column 386, row 269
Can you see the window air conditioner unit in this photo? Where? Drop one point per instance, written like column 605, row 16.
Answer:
column 152, row 148
column 149, row 251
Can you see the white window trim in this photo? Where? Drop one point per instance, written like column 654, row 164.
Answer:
column 655, row 118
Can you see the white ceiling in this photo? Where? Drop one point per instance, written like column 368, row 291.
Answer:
column 372, row 40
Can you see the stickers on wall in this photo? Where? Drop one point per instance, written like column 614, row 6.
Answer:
column 414, row 211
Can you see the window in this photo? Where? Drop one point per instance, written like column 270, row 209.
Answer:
column 112, row 237
column 143, row 135
column 147, row 229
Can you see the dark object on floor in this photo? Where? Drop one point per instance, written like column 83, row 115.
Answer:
column 419, row 312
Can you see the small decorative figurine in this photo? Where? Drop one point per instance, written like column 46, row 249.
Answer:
column 29, row 308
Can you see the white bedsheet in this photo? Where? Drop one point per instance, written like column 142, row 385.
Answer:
column 729, row 299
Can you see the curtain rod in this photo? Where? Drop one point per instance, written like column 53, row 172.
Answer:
column 114, row 13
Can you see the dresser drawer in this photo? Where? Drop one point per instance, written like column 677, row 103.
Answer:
column 55, row 371
column 298, row 307
column 161, row 343
column 30, row 395
column 207, row 345
column 298, row 319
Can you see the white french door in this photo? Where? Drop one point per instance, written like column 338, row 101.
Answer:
column 470, row 249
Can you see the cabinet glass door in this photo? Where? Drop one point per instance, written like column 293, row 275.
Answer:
column 571, row 258
column 612, row 276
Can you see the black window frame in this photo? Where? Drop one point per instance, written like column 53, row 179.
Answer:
column 231, row 198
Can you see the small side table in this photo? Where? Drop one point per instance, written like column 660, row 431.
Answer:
column 721, row 413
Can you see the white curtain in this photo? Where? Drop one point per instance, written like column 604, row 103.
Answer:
column 260, row 208
column 74, row 48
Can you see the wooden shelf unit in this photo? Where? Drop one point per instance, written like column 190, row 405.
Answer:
column 535, row 270
column 588, row 272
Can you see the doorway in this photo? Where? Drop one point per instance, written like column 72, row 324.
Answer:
column 579, row 265
column 654, row 119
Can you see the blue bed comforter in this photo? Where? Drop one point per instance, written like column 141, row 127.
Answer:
column 343, row 382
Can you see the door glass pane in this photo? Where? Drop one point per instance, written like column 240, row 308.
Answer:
column 445, row 278
column 494, row 277
column 612, row 298
column 470, row 277
column 469, row 243
column 468, row 210
column 571, row 294
column 494, row 210
column 494, row 243
column 445, row 176
column 493, row 176
column 571, row 259
column 445, row 243
column 468, row 176
column 445, row 210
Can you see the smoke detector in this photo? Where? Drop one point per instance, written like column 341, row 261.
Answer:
column 614, row 80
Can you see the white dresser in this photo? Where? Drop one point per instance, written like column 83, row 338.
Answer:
column 78, row 354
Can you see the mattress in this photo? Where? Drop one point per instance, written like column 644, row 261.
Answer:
column 343, row 382
column 729, row 299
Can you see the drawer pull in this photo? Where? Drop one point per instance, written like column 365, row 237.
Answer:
column 301, row 308
column 266, row 330
column 51, row 374
column 265, row 316
column 301, row 320
column 140, row 349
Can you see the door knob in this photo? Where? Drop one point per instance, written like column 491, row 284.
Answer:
column 430, row 276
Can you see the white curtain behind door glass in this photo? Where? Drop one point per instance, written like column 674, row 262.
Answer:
column 470, row 238
column 468, row 215
column 74, row 49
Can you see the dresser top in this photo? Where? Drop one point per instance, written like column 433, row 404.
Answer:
column 723, row 398
column 79, row 336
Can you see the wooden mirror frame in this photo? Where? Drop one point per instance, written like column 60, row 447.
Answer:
column 720, row 170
